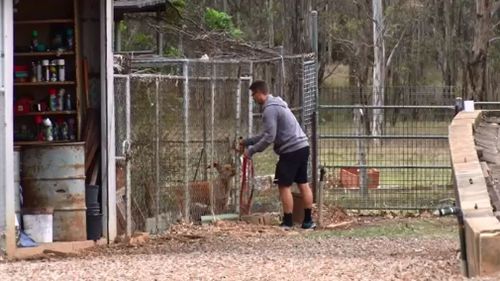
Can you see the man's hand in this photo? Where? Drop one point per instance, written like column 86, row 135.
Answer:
column 246, row 154
column 242, row 146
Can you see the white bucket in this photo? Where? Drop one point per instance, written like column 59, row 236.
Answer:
column 469, row 106
column 38, row 227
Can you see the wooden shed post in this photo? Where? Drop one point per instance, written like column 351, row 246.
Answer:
column 108, row 122
column 7, row 129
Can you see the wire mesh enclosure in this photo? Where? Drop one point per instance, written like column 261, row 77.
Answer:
column 176, row 130
column 406, row 166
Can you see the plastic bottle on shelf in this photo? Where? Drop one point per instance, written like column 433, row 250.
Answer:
column 61, row 70
column 34, row 40
column 57, row 42
column 64, row 131
column 53, row 71
column 69, row 38
column 68, row 103
column 60, row 99
column 33, row 72
column 71, row 129
column 39, row 73
column 48, row 129
column 53, row 99
column 40, row 136
column 55, row 131
column 46, row 70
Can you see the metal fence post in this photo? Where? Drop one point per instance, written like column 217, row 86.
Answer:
column 361, row 150
column 187, row 198
column 314, row 156
column 212, row 147
column 459, row 105
column 157, row 153
column 314, row 32
column 250, row 103
column 238, row 134
column 126, row 150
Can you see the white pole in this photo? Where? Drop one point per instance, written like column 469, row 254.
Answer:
column 6, row 130
column 108, row 122
column 127, row 160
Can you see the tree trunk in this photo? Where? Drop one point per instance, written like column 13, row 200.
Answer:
column 448, row 63
column 476, row 66
column 378, row 68
column 270, row 13
column 296, row 36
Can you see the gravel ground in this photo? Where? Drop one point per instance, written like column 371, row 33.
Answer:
column 234, row 251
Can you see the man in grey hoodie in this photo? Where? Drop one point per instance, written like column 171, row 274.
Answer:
column 290, row 143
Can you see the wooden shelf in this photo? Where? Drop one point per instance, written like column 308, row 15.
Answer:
column 16, row 143
column 46, row 113
column 44, row 83
column 45, row 54
column 50, row 21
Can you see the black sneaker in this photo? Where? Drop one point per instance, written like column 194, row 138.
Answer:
column 308, row 225
column 285, row 226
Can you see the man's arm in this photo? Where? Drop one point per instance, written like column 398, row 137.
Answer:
column 253, row 140
column 270, row 121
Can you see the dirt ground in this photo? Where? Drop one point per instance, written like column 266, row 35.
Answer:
column 364, row 248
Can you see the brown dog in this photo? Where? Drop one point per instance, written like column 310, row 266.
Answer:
column 200, row 192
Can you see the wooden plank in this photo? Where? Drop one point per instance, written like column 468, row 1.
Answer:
column 64, row 83
column 49, row 21
column 48, row 113
column 45, row 54
column 491, row 156
column 485, row 168
column 76, row 44
column 85, row 83
column 487, row 131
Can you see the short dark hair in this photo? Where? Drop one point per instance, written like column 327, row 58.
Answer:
column 259, row 86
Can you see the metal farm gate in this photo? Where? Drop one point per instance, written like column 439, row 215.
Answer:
column 406, row 166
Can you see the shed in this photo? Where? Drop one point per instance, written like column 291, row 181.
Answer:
column 71, row 42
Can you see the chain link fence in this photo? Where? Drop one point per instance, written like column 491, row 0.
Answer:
column 176, row 128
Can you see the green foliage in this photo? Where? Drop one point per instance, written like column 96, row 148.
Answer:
column 135, row 39
column 398, row 228
column 142, row 41
column 179, row 4
column 172, row 52
column 221, row 21
column 122, row 26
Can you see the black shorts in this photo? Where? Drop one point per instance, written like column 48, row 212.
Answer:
column 292, row 167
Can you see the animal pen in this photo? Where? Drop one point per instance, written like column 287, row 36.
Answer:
column 175, row 118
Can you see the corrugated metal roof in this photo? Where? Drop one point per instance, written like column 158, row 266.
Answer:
column 137, row 4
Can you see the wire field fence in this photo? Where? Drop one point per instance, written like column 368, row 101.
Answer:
column 401, row 164
column 175, row 133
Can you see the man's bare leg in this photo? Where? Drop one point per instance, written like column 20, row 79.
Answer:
column 286, row 198
column 287, row 204
column 307, row 196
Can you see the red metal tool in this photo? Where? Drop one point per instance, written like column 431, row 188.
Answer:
column 246, row 192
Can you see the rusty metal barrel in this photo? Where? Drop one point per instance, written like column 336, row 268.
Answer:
column 53, row 176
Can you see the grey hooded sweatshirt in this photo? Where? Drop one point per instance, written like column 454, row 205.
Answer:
column 280, row 127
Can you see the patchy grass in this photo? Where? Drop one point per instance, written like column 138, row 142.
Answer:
column 397, row 228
